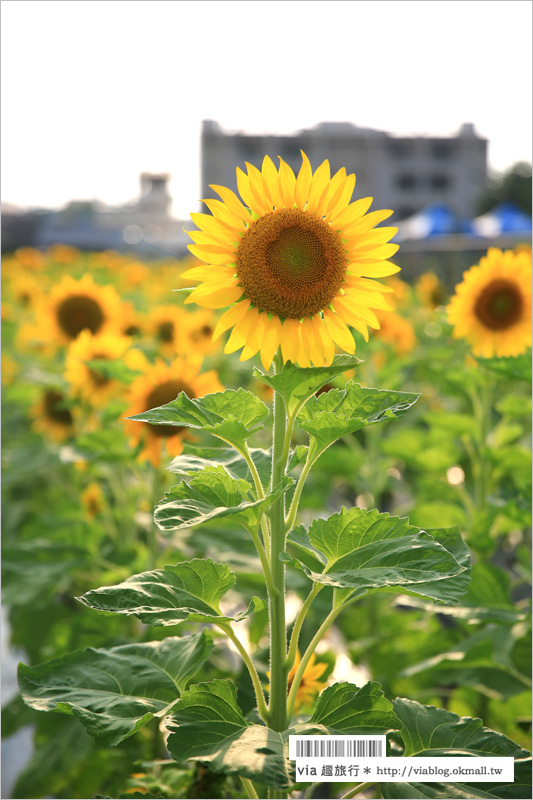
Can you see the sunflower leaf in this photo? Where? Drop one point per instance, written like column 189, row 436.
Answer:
column 345, row 709
column 368, row 550
column 518, row 367
column 430, row 731
column 195, row 458
column 210, row 495
column 298, row 384
column 232, row 415
column 190, row 590
column 339, row 412
column 117, row 691
column 207, row 725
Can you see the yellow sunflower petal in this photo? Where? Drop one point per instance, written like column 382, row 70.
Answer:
column 271, row 341
column 230, row 318
column 339, row 331
column 232, row 202
column 287, row 181
column 303, row 182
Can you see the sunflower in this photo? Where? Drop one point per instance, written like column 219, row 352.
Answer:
column 296, row 263
column 396, row 331
column 431, row 292
column 198, row 332
column 26, row 290
column 75, row 306
column 167, row 326
column 159, row 384
column 52, row 415
column 492, row 306
column 312, row 681
column 86, row 381
column 92, row 500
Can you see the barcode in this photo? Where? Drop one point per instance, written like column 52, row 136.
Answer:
column 339, row 748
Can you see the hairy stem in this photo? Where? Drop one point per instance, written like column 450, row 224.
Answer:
column 278, row 635
column 357, row 790
column 298, row 622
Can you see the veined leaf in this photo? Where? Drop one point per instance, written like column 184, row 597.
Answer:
column 488, row 598
column 232, row 415
column 345, row 709
column 210, row 495
column 194, row 459
column 191, row 590
column 430, row 731
column 298, row 384
column 368, row 550
column 339, row 412
column 207, row 725
column 115, row 692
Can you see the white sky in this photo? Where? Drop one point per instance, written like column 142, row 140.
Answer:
column 95, row 92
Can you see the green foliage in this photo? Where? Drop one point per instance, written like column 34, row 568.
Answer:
column 340, row 412
column 297, row 384
column 210, row 495
column 366, row 550
column 208, row 725
column 345, row 709
column 191, row 590
column 233, row 416
column 116, row 692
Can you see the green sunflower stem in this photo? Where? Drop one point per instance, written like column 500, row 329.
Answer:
column 278, row 634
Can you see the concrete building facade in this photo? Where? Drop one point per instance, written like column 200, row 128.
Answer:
column 404, row 173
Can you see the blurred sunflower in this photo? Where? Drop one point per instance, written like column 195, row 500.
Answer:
column 431, row 291
column 85, row 380
column 62, row 254
column 396, row 331
column 198, row 332
column 75, row 306
column 52, row 416
column 402, row 291
column 10, row 369
column 26, row 290
column 312, row 681
column 159, row 384
column 491, row 308
column 132, row 323
column 29, row 258
column 167, row 326
column 92, row 500
column 296, row 263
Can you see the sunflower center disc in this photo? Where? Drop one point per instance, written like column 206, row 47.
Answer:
column 291, row 263
column 54, row 407
column 160, row 396
column 499, row 305
column 78, row 312
column 165, row 332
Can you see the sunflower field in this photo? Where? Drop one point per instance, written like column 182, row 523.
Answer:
column 277, row 488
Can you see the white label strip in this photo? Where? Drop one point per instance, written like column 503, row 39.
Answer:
column 490, row 769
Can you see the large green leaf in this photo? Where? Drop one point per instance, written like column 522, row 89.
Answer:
column 191, row 590
column 345, row 709
column 115, row 692
column 510, row 367
column 232, row 415
column 368, row 550
column 212, row 494
column 207, row 725
column 298, row 384
column 196, row 458
column 430, row 731
column 488, row 598
column 482, row 659
column 33, row 568
column 339, row 412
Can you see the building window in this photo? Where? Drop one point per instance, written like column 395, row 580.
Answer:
column 406, row 181
column 400, row 149
column 441, row 150
column 440, row 182
column 406, row 211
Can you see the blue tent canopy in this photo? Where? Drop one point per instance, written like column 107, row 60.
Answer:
column 436, row 219
column 505, row 218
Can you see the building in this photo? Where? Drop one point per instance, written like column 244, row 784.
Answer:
column 405, row 173
column 143, row 226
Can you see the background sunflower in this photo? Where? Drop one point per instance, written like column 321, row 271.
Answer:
column 491, row 308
